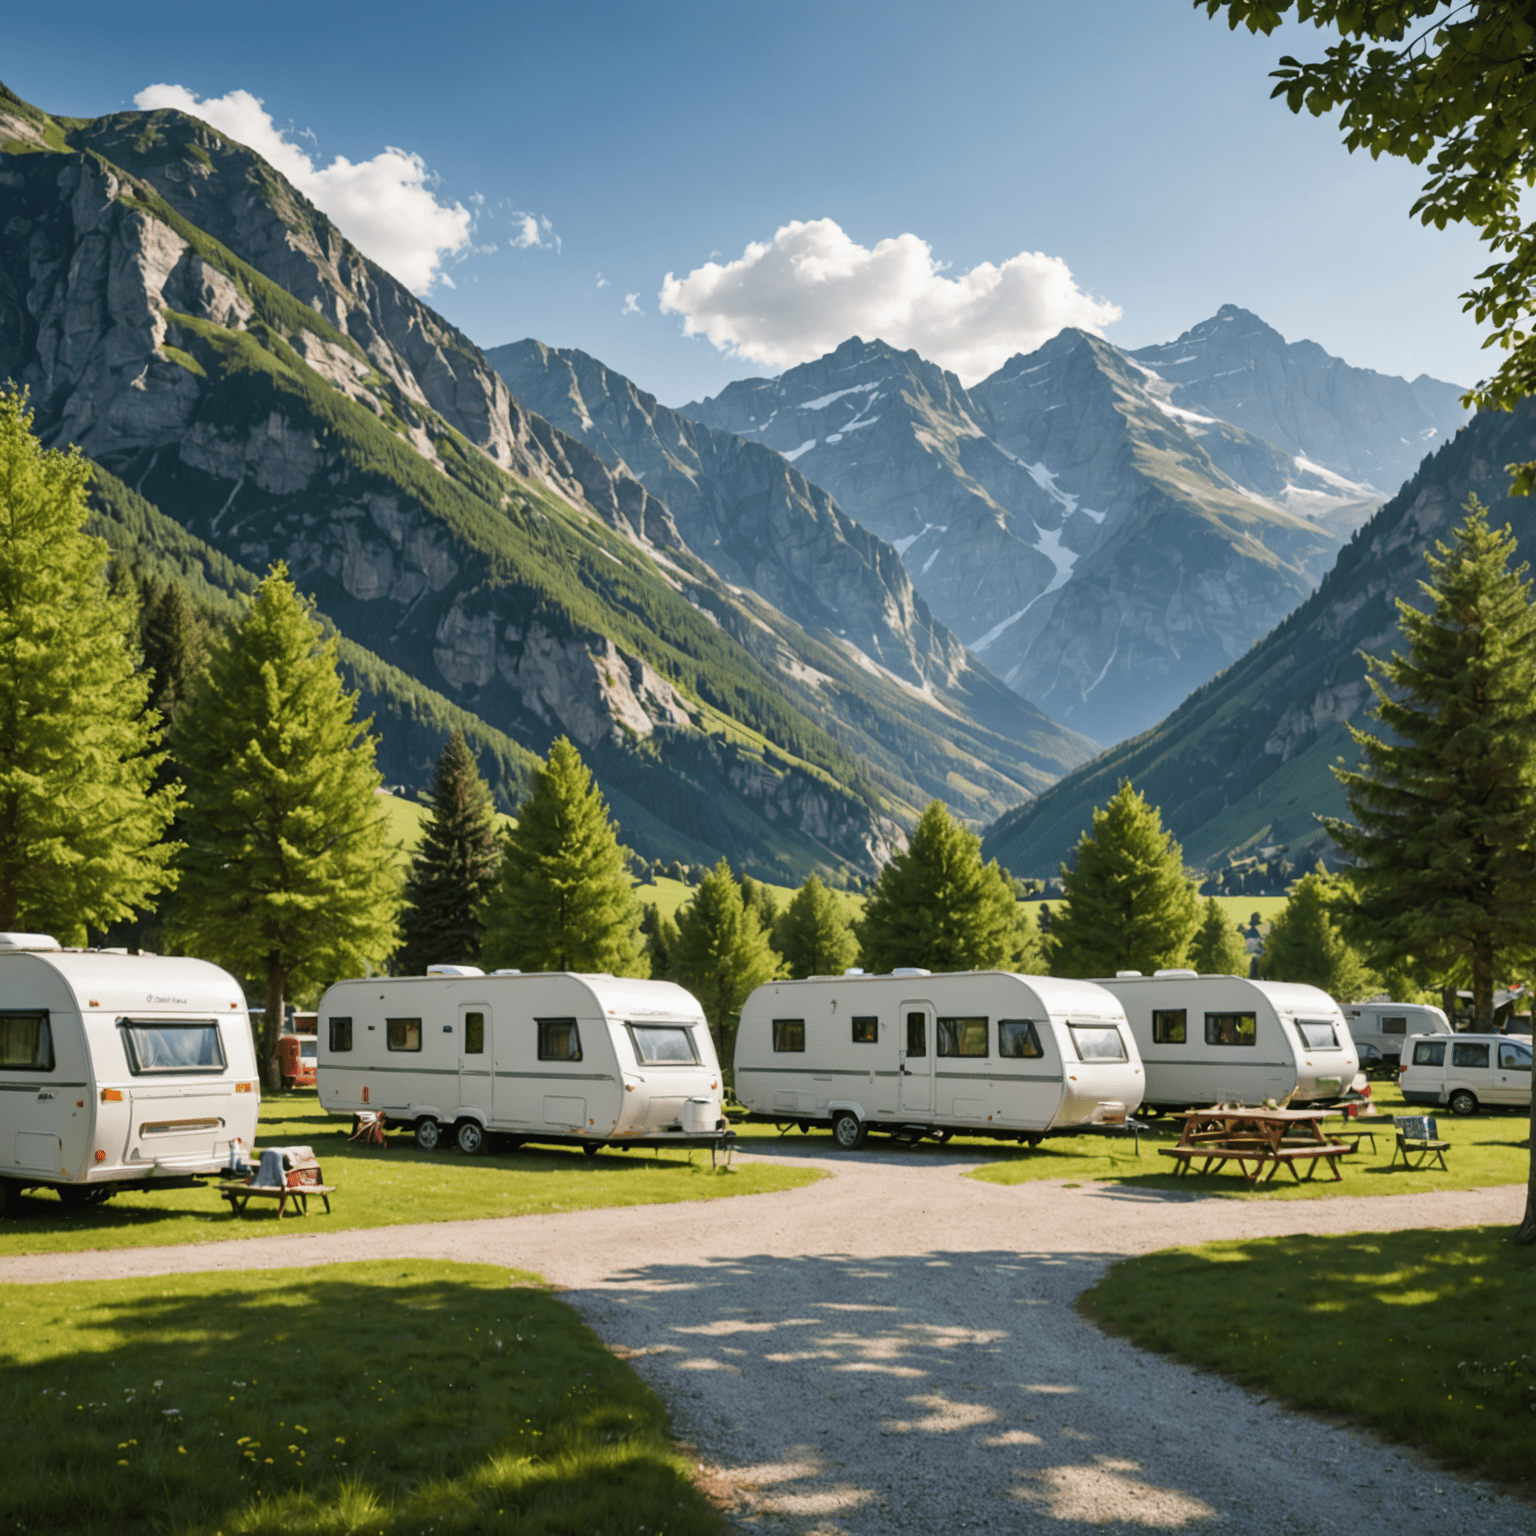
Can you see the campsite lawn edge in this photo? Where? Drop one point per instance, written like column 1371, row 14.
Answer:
column 1423, row 1336
column 381, row 1396
column 397, row 1186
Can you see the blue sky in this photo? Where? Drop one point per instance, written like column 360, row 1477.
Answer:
column 595, row 148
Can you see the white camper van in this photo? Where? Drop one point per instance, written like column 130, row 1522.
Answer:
column 982, row 1053
column 1466, row 1072
column 547, row 1057
column 1226, row 1039
column 1386, row 1025
column 118, row 1071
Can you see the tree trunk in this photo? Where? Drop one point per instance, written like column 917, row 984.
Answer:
column 271, row 1027
column 1527, row 1231
column 1482, row 986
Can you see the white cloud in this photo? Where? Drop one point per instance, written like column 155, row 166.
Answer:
column 534, row 232
column 386, row 206
column 799, row 295
column 632, row 305
column 602, row 282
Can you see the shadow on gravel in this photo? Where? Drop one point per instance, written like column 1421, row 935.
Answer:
column 925, row 1392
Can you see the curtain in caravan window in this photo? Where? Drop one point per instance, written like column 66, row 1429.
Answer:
column 962, row 1037
column 559, row 1040
column 1169, row 1026
column 1231, row 1029
column 402, row 1034
column 1017, row 1038
column 26, row 1042
column 789, row 1034
column 165, row 1046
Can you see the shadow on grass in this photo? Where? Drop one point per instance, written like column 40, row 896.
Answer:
column 1428, row 1336
column 379, row 1397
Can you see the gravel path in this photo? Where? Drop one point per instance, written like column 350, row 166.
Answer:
column 894, row 1352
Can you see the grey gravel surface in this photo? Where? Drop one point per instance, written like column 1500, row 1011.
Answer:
column 895, row 1352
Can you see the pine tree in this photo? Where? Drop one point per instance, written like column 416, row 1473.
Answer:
column 814, row 935
column 1218, row 948
column 1444, row 802
column 172, row 641
column 288, row 874
column 453, row 868
column 721, row 954
column 1128, row 903
column 660, row 935
column 563, row 900
column 80, row 820
column 937, row 905
column 760, row 899
column 1304, row 943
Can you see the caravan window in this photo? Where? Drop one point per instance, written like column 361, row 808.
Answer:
column 664, row 1044
column 167, row 1046
column 1316, row 1034
column 866, row 1029
column 917, row 1034
column 402, row 1034
column 559, row 1040
column 341, row 1034
column 1469, row 1054
column 26, row 1042
column 1098, row 1042
column 1169, row 1026
column 789, row 1034
column 962, row 1037
column 474, row 1034
column 1429, row 1053
column 1231, row 1029
column 1394, row 1026
column 1017, row 1038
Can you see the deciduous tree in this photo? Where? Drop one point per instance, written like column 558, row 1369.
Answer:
column 453, row 868
column 564, row 900
column 1129, row 905
column 80, row 819
column 1304, row 943
column 288, row 872
column 937, row 905
column 814, row 934
column 1218, row 948
column 721, row 953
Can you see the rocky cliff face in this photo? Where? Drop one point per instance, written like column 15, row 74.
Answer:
column 198, row 328
column 1063, row 516
column 1246, row 759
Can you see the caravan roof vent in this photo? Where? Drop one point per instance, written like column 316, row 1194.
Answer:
column 854, row 970
column 910, row 970
column 1129, row 975
column 506, row 973
column 454, row 970
column 1177, row 971
column 28, row 941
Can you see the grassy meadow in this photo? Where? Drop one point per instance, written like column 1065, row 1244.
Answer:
column 383, row 1397
column 391, row 1187
column 1428, row 1337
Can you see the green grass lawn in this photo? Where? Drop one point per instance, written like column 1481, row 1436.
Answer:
column 1488, row 1148
column 393, row 1398
column 389, row 1188
column 1428, row 1337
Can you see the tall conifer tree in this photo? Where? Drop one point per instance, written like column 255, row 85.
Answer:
column 1444, row 806
column 721, row 953
column 453, row 869
column 80, row 820
column 937, row 905
column 288, row 873
column 1129, row 905
column 564, row 900
column 814, row 934
column 1218, row 948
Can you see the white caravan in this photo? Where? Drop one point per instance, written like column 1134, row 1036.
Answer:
column 982, row 1053
column 118, row 1071
column 549, row 1057
column 1386, row 1025
column 1225, row 1039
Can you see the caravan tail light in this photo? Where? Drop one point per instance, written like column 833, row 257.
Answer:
column 244, row 1087
column 111, row 1095
column 101, row 1156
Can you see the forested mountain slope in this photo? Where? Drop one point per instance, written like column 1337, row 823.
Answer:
column 1244, row 761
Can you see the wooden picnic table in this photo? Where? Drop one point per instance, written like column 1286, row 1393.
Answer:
column 240, row 1195
column 1255, row 1139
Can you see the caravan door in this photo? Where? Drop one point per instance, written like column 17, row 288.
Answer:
column 475, row 1058
column 916, row 1058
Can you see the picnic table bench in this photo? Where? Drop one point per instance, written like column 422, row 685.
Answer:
column 1360, row 1128
column 240, row 1195
column 1257, row 1137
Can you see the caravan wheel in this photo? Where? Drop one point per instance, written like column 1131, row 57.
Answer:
column 428, row 1134
column 470, row 1137
column 848, row 1131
